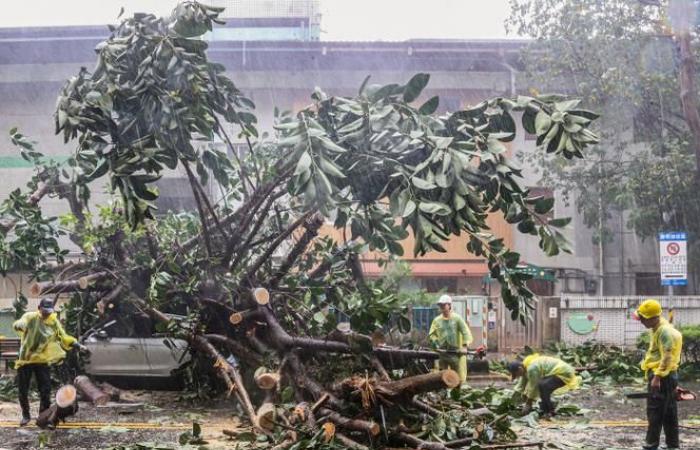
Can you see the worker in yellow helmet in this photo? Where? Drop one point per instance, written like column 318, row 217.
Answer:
column 449, row 332
column 660, row 365
column 541, row 376
column 42, row 343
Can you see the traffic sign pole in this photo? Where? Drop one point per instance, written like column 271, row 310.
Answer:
column 673, row 260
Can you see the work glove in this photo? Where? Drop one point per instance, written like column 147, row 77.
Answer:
column 81, row 348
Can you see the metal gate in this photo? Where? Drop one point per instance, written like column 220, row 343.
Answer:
column 513, row 336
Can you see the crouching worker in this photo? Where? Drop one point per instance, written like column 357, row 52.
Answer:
column 449, row 332
column 541, row 376
column 43, row 343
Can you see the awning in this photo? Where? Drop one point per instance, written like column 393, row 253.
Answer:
column 537, row 272
column 433, row 268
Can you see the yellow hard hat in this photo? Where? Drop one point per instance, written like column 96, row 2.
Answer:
column 649, row 308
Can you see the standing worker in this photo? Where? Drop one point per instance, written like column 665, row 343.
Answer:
column 43, row 343
column 541, row 376
column 660, row 365
column 449, row 332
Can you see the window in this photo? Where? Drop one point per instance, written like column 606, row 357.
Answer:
column 437, row 284
column 175, row 195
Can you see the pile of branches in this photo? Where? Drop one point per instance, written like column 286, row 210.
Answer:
column 254, row 272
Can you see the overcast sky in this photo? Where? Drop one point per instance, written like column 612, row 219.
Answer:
column 341, row 19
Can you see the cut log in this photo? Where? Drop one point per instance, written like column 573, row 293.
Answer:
column 40, row 288
column 87, row 280
column 267, row 413
column 113, row 392
column 238, row 317
column 261, row 296
column 66, row 405
column 415, row 442
column 91, row 392
column 426, row 408
column 418, row 384
column 369, row 427
column 266, row 380
column 105, row 302
column 349, row 443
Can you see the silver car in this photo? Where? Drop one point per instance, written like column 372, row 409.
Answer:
column 122, row 348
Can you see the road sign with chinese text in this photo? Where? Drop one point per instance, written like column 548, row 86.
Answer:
column 673, row 258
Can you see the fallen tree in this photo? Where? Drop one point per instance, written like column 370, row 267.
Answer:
column 249, row 280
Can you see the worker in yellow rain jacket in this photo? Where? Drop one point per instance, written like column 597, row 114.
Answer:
column 660, row 365
column 42, row 343
column 449, row 332
column 541, row 376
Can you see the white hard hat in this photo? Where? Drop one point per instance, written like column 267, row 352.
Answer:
column 444, row 300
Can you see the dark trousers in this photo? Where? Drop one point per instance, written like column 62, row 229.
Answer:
column 662, row 412
column 547, row 386
column 43, row 380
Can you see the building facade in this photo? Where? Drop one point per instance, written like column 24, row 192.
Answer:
column 278, row 61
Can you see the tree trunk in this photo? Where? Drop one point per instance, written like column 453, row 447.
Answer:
column 689, row 94
column 415, row 442
column 113, row 392
column 371, row 428
column 66, row 405
column 87, row 388
column 228, row 373
column 49, row 287
column 266, row 415
column 408, row 387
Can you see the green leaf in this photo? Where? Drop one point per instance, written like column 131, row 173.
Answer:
column 544, row 205
column 404, row 324
column 415, row 86
column 410, row 207
column 437, row 208
column 422, row 184
column 542, row 123
column 303, row 164
column 430, row 106
column 559, row 223
column 330, row 168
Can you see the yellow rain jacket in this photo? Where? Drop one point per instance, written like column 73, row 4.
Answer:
column 451, row 334
column 538, row 367
column 43, row 341
column 664, row 353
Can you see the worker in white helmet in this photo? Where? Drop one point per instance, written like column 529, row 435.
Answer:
column 449, row 332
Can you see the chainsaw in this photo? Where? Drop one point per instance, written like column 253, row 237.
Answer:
column 681, row 395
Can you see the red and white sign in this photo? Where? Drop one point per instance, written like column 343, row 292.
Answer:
column 673, row 258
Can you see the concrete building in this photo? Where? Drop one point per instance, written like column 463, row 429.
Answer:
column 280, row 67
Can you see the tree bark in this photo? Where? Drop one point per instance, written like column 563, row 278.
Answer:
column 66, row 405
column 113, row 392
column 689, row 94
column 415, row 442
column 281, row 237
column 285, row 341
column 87, row 388
column 239, row 350
column 311, row 226
column 371, row 428
column 407, row 388
column 226, row 372
column 40, row 288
